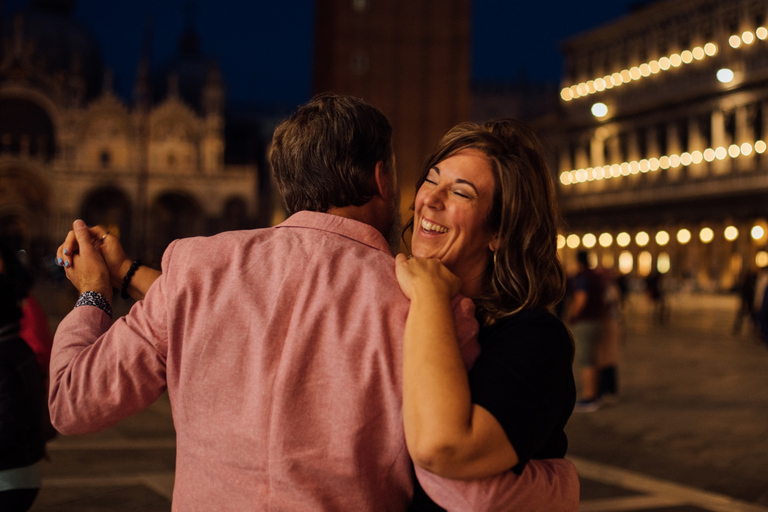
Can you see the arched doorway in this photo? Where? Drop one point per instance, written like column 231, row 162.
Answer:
column 25, row 212
column 110, row 207
column 173, row 215
column 26, row 129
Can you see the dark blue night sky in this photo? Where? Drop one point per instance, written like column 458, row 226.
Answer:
column 265, row 47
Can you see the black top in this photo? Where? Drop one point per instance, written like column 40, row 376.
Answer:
column 22, row 398
column 524, row 378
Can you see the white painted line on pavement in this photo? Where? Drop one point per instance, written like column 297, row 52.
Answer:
column 664, row 489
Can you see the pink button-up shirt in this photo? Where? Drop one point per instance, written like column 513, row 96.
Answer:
column 281, row 352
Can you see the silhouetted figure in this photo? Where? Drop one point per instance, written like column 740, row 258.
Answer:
column 746, row 291
column 22, row 396
column 654, row 286
column 585, row 315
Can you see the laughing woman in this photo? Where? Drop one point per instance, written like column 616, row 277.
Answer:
column 485, row 225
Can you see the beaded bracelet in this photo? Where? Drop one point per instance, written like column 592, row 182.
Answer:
column 128, row 276
column 96, row 300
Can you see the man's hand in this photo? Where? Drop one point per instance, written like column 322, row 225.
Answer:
column 84, row 265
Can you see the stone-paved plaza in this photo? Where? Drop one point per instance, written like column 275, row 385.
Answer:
column 688, row 433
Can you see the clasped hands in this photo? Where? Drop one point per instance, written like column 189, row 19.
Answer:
column 93, row 259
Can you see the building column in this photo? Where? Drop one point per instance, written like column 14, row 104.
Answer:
column 673, row 148
column 719, row 139
column 744, row 134
column 696, row 142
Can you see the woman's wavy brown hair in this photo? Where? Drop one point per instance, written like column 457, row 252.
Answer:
column 525, row 271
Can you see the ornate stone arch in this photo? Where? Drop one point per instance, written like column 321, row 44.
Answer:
column 27, row 127
column 174, row 214
column 109, row 206
column 25, row 208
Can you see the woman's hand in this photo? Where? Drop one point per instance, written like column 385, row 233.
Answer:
column 420, row 275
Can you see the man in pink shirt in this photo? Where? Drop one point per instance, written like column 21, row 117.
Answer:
column 280, row 348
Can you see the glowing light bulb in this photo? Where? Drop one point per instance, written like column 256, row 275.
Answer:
column 748, row 37
column 675, row 60
column 623, row 239
column 572, row 241
column 734, row 150
column 600, row 84
column 760, row 147
column 731, row 233
column 617, row 80
column 698, row 53
column 654, row 65
column 664, row 63
column 710, row 49
column 686, row 159
column 683, row 236
column 642, row 239
column 674, row 160
column 761, row 259
column 653, row 164
column 560, row 241
column 664, row 162
column 725, row 75
column 591, row 87
column 721, row 153
column 599, row 110
column 625, row 76
column 644, row 166
column 757, row 232
column 634, row 73
column 734, row 41
column 663, row 263
column 706, row 235
column 709, row 154
column 625, row 169
column 565, row 178
column 696, row 157
column 589, row 240
column 605, row 240
column 687, row 56
column 645, row 70
column 566, row 94
column 761, row 33
column 746, row 149
column 662, row 238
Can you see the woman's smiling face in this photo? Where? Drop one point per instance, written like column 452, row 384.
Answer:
column 450, row 214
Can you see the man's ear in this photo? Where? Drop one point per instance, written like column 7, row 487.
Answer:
column 384, row 184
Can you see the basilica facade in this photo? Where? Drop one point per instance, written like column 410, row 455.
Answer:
column 661, row 145
column 152, row 169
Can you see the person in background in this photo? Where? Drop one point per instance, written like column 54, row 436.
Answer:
column 585, row 315
column 22, row 443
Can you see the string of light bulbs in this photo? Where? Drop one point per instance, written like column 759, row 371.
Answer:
column 656, row 66
column 664, row 162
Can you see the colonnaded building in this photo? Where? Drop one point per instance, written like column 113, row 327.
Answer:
column 153, row 169
column 662, row 152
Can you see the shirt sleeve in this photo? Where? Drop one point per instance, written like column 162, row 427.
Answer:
column 548, row 484
column 524, row 378
column 103, row 372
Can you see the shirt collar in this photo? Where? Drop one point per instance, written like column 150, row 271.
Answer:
column 349, row 228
